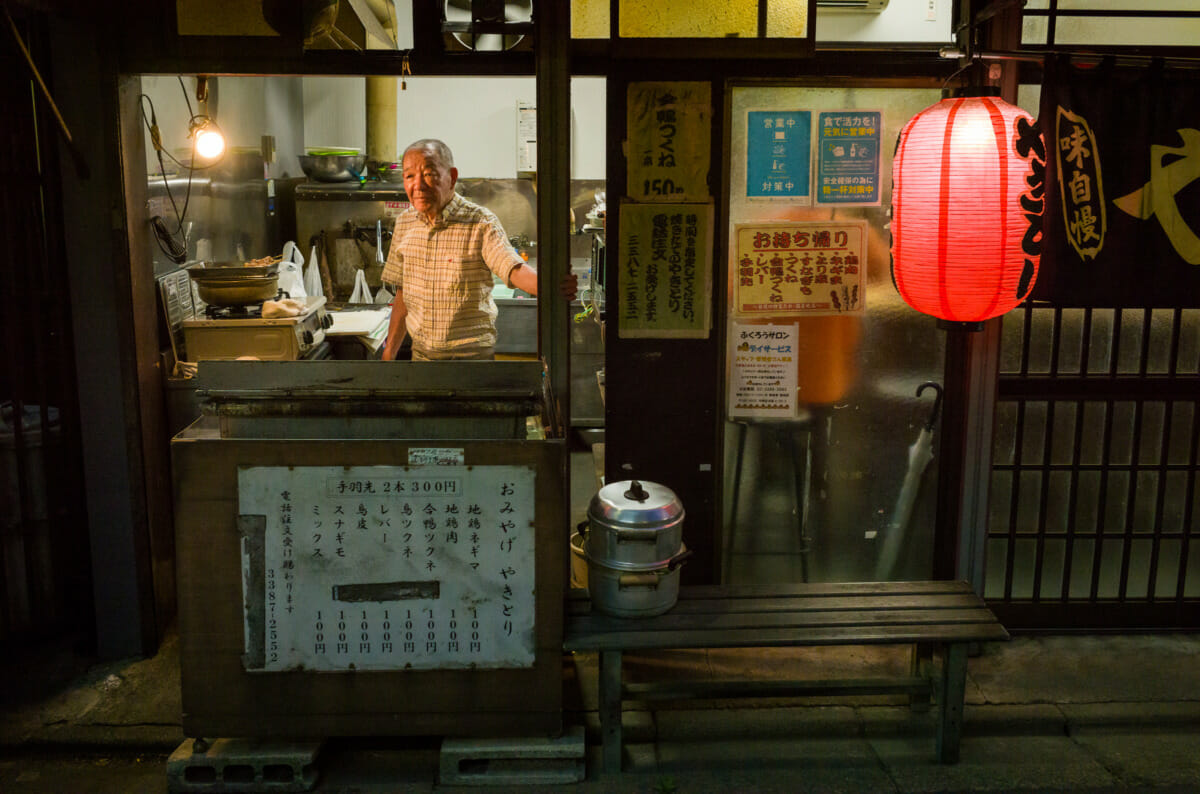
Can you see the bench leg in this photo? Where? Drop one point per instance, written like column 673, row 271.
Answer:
column 610, row 709
column 921, row 667
column 950, row 704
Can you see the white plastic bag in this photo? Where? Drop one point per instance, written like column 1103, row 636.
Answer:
column 383, row 297
column 312, row 276
column 291, row 271
column 362, row 293
column 290, row 280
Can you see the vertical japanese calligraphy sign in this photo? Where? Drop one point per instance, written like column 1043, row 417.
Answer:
column 762, row 371
column 779, row 155
column 669, row 133
column 664, row 280
column 848, row 157
column 801, row 268
column 1122, row 204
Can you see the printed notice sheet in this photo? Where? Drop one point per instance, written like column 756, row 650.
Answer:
column 762, row 371
column 387, row 567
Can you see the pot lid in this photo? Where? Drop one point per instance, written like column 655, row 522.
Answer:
column 635, row 503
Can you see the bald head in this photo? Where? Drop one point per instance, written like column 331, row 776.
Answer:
column 432, row 147
column 429, row 176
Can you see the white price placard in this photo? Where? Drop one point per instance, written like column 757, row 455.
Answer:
column 387, row 567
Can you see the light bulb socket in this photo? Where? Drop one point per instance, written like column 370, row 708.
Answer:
column 203, row 127
column 969, row 91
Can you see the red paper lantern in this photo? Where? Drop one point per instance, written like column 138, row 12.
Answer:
column 966, row 208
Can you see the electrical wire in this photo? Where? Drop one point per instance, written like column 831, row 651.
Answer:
column 173, row 248
column 172, row 244
column 960, row 70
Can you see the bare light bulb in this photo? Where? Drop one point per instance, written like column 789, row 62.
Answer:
column 210, row 143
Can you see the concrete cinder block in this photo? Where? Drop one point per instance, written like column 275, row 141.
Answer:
column 243, row 765
column 514, row 761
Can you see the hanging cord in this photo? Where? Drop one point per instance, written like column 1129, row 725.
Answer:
column 172, row 244
column 173, row 248
column 970, row 62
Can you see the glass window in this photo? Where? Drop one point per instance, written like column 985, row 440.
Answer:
column 1148, row 30
column 819, row 494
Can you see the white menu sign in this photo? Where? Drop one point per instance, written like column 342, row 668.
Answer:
column 387, row 567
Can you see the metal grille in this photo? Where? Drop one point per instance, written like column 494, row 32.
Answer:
column 44, row 561
column 1093, row 520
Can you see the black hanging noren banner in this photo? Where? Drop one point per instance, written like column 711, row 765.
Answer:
column 1122, row 217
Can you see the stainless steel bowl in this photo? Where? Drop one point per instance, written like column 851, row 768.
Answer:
column 333, row 167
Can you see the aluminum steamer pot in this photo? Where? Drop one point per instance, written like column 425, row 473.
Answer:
column 633, row 524
column 635, row 594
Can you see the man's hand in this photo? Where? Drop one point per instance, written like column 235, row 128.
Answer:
column 397, row 329
column 569, row 286
column 525, row 278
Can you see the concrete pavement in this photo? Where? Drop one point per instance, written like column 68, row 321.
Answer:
column 1062, row 713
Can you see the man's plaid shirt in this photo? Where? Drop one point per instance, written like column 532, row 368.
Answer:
column 444, row 271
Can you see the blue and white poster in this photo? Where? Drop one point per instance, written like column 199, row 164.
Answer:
column 779, row 155
column 848, row 157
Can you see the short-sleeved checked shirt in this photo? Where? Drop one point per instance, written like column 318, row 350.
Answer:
column 444, row 270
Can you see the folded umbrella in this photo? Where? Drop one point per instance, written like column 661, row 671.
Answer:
column 919, row 456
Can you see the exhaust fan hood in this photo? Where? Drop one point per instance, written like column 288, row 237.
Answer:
column 487, row 25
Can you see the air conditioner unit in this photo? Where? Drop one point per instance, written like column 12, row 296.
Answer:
column 486, row 25
column 874, row 6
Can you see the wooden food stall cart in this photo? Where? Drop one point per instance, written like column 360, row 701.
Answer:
column 369, row 549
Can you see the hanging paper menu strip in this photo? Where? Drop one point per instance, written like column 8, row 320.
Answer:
column 669, row 129
column 664, row 282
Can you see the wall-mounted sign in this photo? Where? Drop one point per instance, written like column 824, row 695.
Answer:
column 848, row 157
column 778, row 155
column 387, row 567
column 669, row 129
column 803, row 268
column 526, row 139
column 664, row 280
column 1122, row 202
column 762, row 371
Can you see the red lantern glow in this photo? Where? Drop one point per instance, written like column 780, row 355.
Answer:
column 966, row 208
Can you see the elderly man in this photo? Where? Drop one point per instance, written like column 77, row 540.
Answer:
column 445, row 250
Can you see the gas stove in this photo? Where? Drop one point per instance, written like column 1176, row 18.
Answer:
column 231, row 332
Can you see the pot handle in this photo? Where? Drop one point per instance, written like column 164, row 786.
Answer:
column 647, row 580
column 638, row 535
column 678, row 559
column 582, row 528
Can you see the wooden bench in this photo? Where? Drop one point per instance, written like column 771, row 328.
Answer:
column 944, row 616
